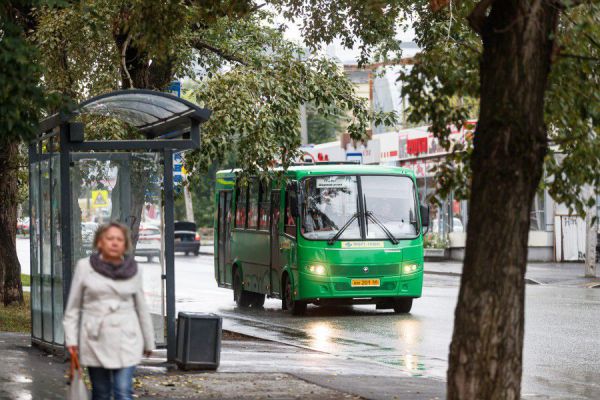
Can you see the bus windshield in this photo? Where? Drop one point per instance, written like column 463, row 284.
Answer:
column 331, row 202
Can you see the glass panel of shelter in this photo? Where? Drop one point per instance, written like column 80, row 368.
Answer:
column 34, row 227
column 45, row 244
column 124, row 187
column 46, row 252
column 55, row 233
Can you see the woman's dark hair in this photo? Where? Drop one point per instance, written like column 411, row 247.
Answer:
column 113, row 224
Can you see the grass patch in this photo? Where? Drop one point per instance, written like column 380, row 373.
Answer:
column 16, row 318
column 26, row 280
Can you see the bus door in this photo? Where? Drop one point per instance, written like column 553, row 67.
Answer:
column 275, row 267
column 224, row 233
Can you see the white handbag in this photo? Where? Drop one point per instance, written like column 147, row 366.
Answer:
column 77, row 389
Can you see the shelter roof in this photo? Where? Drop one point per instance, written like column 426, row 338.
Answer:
column 154, row 113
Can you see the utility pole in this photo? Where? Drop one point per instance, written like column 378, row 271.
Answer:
column 187, row 197
column 303, row 125
column 591, row 236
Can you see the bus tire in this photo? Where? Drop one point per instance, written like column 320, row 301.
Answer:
column 402, row 305
column 258, row 300
column 296, row 307
column 242, row 297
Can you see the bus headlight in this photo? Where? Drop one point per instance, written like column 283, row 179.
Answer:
column 316, row 269
column 410, row 268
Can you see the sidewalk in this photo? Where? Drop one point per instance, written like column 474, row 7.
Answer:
column 554, row 274
column 250, row 369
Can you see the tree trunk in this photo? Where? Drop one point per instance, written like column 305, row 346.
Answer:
column 510, row 144
column 11, row 289
column 591, row 235
column 139, row 183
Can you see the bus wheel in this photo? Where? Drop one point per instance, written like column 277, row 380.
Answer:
column 402, row 305
column 258, row 300
column 241, row 297
column 296, row 307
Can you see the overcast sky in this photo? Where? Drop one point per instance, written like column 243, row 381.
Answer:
column 345, row 55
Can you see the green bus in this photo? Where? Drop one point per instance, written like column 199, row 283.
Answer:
column 331, row 234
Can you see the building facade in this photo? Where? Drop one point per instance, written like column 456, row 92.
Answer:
column 556, row 234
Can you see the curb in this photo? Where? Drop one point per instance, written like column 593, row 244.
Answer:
column 443, row 273
column 528, row 281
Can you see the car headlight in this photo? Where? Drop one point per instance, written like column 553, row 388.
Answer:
column 316, row 269
column 409, row 268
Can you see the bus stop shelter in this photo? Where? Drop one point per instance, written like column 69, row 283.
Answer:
column 77, row 183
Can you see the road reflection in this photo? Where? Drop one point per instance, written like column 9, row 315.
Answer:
column 320, row 336
column 409, row 331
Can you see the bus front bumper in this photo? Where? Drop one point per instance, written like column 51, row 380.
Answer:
column 321, row 289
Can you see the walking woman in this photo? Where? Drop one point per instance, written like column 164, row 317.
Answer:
column 107, row 323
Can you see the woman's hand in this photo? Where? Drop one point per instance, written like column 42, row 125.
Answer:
column 147, row 353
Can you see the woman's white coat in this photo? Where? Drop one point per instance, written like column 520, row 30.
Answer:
column 108, row 319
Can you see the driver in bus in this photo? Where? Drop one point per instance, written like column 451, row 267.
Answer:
column 316, row 221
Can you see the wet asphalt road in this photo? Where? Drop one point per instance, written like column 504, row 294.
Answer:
column 562, row 340
column 562, row 334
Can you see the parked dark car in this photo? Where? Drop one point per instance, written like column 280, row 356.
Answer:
column 187, row 240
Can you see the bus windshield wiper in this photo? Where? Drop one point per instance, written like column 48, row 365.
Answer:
column 374, row 219
column 342, row 229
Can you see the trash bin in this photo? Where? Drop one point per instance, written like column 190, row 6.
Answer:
column 198, row 341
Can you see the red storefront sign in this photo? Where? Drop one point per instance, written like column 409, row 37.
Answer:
column 416, row 146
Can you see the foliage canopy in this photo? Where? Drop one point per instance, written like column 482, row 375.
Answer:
column 244, row 70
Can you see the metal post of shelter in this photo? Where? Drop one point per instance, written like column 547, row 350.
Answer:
column 169, row 253
column 65, row 209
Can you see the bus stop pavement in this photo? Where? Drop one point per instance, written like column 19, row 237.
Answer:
column 249, row 369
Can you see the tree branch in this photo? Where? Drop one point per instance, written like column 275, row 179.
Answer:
column 256, row 7
column 566, row 4
column 477, row 17
column 586, row 34
column 200, row 45
column 579, row 57
column 124, row 61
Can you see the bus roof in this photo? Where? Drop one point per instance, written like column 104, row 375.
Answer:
column 300, row 171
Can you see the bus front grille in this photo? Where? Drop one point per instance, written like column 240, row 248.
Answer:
column 359, row 271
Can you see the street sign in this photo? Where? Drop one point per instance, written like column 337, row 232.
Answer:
column 178, row 172
column 175, row 88
column 99, row 198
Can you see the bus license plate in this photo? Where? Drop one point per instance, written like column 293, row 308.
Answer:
column 365, row 282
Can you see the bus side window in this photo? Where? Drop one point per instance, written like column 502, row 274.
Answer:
column 264, row 207
column 240, row 207
column 253, row 192
column 290, row 222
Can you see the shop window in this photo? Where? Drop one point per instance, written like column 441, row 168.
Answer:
column 538, row 214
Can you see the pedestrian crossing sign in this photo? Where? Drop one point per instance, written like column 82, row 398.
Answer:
column 99, row 198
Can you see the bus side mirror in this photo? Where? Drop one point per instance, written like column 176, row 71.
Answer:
column 424, row 216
